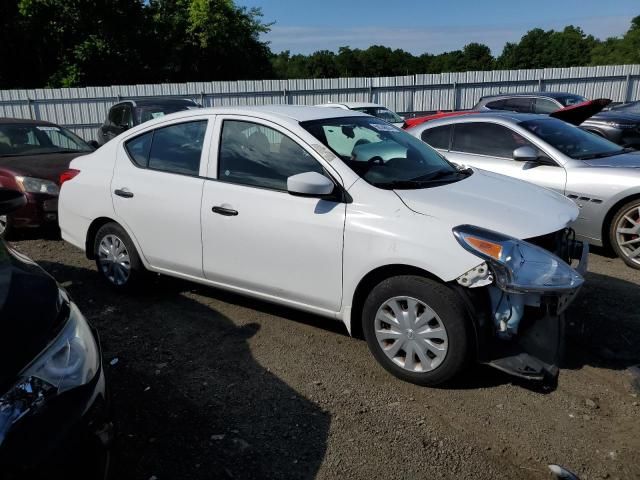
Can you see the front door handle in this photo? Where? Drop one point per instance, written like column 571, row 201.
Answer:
column 123, row 193
column 227, row 212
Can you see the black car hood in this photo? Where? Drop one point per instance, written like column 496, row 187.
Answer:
column 47, row 166
column 624, row 160
column 30, row 313
column 617, row 116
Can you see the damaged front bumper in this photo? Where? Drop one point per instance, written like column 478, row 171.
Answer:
column 523, row 332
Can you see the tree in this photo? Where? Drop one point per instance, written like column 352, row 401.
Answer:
column 617, row 51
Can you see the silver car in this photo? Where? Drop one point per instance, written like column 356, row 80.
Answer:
column 600, row 176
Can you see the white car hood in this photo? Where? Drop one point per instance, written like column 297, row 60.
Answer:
column 496, row 202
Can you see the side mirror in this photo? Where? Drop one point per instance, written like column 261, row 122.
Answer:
column 11, row 200
column 525, row 154
column 310, row 184
column 93, row 144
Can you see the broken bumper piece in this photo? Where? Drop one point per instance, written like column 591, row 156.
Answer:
column 528, row 290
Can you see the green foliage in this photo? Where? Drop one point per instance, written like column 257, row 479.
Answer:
column 104, row 42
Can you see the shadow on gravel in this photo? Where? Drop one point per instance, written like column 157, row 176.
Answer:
column 190, row 401
column 604, row 324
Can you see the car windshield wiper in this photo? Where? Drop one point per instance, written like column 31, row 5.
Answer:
column 423, row 181
column 439, row 174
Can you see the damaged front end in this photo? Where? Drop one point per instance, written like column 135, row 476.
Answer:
column 525, row 286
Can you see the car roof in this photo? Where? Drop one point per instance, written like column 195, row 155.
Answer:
column 24, row 121
column 532, row 94
column 512, row 117
column 351, row 105
column 146, row 101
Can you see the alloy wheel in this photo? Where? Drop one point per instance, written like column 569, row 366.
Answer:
column 4, row 221
column 114, row 260
column 411, row 334
column 628, row 234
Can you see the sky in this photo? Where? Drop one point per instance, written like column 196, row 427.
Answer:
column 305, row 26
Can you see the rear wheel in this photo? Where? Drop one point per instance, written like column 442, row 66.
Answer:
column 116, row 257
column 625, row 233
column 417, row 329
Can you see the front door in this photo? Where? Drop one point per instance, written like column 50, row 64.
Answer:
column 157, row 190
column 258, row 237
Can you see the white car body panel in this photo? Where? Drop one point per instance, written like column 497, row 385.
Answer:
column 302, row 252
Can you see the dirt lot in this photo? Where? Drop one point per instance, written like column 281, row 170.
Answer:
column 212, row 385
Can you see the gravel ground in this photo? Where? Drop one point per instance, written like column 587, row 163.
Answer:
column 213, row 385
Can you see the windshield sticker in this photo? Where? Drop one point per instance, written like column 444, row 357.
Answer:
column 157, row 114
column 48, row 129
column 324, row 152
column 384, row 127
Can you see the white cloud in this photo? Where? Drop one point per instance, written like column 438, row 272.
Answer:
column 306, row 40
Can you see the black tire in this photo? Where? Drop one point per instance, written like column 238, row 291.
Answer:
column 613, row 237
column 137, row 272
column 6, row 229
column 452, row 315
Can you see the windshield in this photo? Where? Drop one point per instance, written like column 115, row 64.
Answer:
column 27, row 139
column 633, row 107
column 381, row 112
column 570, row 140
column 569, row 100
column 382, row 154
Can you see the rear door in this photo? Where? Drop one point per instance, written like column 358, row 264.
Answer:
column 157, row 192
column 490, row 146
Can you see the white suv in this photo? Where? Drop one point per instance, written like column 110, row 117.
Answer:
column 342, row 215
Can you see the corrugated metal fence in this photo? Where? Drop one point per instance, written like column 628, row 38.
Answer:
column 84, row 109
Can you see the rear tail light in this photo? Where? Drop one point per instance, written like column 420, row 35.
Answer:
column 68, row 175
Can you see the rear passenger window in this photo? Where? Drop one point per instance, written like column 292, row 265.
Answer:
column 496, row 104
column 252, row 154
column 486, row 139
column 178, row 148
column 544, row 105
column 437, row 137
column 138, row 149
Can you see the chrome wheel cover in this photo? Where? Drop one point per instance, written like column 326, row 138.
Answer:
column 411, row 334
column 628, row 234
column 113, row 259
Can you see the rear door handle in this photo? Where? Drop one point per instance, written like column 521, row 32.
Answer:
column 227, row 212
column 123, row 193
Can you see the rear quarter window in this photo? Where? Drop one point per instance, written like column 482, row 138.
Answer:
column 437, row 137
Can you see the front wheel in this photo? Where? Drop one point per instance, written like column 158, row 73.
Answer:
column 417, row 329
column 116, row 257
column 625, row 233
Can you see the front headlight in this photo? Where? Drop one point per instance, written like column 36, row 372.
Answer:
column 518, row 266
column 69, row 361
column 38, row 185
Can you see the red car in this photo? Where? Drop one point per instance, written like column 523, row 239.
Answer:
column 33, row 155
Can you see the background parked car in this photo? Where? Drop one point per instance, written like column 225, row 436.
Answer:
column 33, row 154
column 600, row 176
column 620, row 124
column 129, row 113
column 373, row 109
column 54, row 413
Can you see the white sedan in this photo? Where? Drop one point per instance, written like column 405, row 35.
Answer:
column 338, row 214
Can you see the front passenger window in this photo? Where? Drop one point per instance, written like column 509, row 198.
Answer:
column 486, row 139
column 255, row 155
